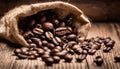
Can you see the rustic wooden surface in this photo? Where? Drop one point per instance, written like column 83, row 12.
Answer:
column 8, row 61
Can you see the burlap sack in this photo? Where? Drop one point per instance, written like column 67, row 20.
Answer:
column 9, row 22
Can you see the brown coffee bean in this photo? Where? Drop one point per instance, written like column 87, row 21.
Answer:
column 49, row 35
column 106, row 49
column 37, row 41
column 40, row 51
column 68, row 58
column 57, row 40
column 94, row 46
column 71, row 43
column 79, row 51
column 58, row 47
column 80, row 58
column 74, row 47
column 47, row 26
column 38, row 26
column 38, row 31
column 72, row 37
column 32, row 45
column 49, row 61
column 69, row 21
column 24, row 49
column 63, row 30
column 45, row 56
column 56, row 59
column 31, row 23
column 28, row 34
column 107, row 39
column 29, row 41
column 92, row 51
column 55, row 50
column 55, row 22
column 98, row 60
column 21, row 56
column 110, row 43
column 117, row 58
column 62, row 53
column 16, row 51
column 44, row 43
column 71, row 52
column 50, row 45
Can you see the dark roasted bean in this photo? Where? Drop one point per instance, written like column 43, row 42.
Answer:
column 49, row 35
column 47, row 26
column 56, row 59
column 38, row 31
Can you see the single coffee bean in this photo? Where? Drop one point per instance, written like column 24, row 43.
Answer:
column 98, row 60
column 94, row 46
column 38, row 31
column 69, row 21
column 55, row 50
column 37, row 41
column 42, row 37
column 28, row 34
column 56, row 59
column 49, row 61
column 29, row 41
column 71, row 43
column 79, row 51
column 57, row 40
column 71, row 52
column 107, row 39
column 24, row 49
column 45, row 56
column 117, row 58
column 49, row 35
column 72, row 37
column 50, row 45
column 21, row 56
column 68, row 58
column 92, row 51
column 38, row 26
column 80, row 58
column 16, row 51
column 62, row 53
column 106, row 49
column 55, row 22
column 47, row 26
column 45, row 48
column 63, row 30
column 44, row 43
column 74, row 47
column 32, row 45
column 40, row 51
column 110, row 43
column 58, row 47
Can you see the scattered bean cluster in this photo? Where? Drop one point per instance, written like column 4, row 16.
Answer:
column 53, row 40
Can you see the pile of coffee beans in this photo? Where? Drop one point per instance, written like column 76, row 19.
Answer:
column 53, row 40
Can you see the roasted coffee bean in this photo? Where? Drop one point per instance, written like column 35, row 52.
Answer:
column 37, row 41
column 58, row 47
column 92, row 51
column 80, row 58
column 94, row 46
column 117, row 58
column 71, row 52
column 107, row 39
column 24, row 49
column 21, row 56
column 69, row 21
column 71, row 43
column 79, row 51
column 72, row 37
column 57, row 40
column 32, row 45
column 38, row 31
column 49, row 61
column 29, row 41
column 40, row 51
column 38, row 26
column 63, row 30
column 45, row 56
column 55, row 22
column 56, row 59
column 16, row 51
column 106, row 49
column 68, row 58
column 44, row 43
column 62, row 24
column 62, row 53
column 47, row 26
column 42, row 37
column 74, row 47
column 45, row 48
column 55, row 50
column 28, row 34
column 85, row 52
column 49, row 35
column 50, row 45
column 110, row 43
column 98, row 60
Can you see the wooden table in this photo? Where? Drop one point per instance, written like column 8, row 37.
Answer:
column 7, row 61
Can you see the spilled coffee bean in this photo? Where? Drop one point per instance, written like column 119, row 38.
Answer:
column 53, row 40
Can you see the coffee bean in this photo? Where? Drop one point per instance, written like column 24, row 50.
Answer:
column 55, row 50
column 32, row 45
column 49, row 61
column 61, row 54
column 37, row 41
column 80, row 58
column 24, row 49
column 68, row 58
column 40, row 51
column 71, row 52
column 58, row 47
column 45, row 56
column 63, row 30
column 110, row 43
column 98, row 60
column 38, row 26
column 21, row 56
column 92, row 51
column 16, row 51
column 49, row 35
column 94, row 46
column 28, row 34
column 74, row 47
column 62, row 24
column 38, row 31
column 106, row 49
column 117, row 58
column 56, row 59
column 55, row 22
column 47, row 26
column 71, row 43
column 29, row 41
column 50, row 45
column 32, row 57
column 44, row 43
column 57, row 40
column 72, row 37
column 79, row 51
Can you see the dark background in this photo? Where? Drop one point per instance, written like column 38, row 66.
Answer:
column 96, row 10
